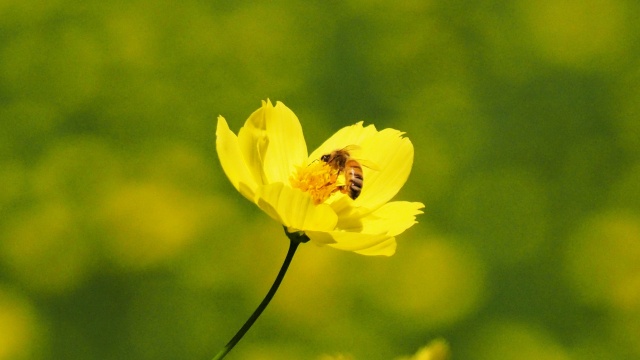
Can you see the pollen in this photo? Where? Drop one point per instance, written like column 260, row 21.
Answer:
column 319, row 179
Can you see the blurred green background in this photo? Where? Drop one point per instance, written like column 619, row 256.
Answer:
column 121, row 238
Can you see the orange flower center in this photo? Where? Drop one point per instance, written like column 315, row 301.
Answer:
column 319, row 179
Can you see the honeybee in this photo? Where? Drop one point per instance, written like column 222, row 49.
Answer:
column 342, row 161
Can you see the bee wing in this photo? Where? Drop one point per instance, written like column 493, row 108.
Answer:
column 369, row 164
column 351, row 148
column 354, row 150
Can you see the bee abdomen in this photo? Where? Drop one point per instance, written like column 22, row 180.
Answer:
column 355, row 181
column 355, row 188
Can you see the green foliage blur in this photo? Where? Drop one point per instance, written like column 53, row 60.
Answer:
column 121, row 238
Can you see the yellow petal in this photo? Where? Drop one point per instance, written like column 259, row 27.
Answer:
column 392, row 218
column 349, row 135
column 254, row 141
column 295, row 209
column 231, row 159
column 387, row 150
column 373, row 234
column 365, row 244
column 393, row 156
column 384, row 248
column 287, row 147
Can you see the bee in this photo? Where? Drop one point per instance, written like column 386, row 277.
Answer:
column 342, row 161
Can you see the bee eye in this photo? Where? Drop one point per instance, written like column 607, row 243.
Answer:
column 324, row 157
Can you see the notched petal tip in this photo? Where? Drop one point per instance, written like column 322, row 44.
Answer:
column 287, row 147
column 221, row 125
column 347, row 136
column 394, row 164
column 254, row 142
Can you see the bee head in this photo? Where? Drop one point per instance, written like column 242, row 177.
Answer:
column 325, row 157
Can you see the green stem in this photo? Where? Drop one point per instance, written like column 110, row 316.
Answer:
column 296, row 238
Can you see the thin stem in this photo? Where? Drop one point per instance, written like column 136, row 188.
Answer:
column 293, row 246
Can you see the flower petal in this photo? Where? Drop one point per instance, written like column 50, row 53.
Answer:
column 385, row 248
column 393, row 156
column 373, row 234
column 287, row 147
column 387, row 150
column 254, row 141
column 348, row 135
column 230, row 155
column 391, row 218
column 365, row 244
column 295, row 209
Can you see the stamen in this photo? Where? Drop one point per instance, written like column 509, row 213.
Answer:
column 319, row 179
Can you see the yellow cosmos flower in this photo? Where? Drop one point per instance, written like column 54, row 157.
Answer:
column 268, row 163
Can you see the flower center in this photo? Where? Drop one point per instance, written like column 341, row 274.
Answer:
column 319, row 179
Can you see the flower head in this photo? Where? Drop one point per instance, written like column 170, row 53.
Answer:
column 343, row 204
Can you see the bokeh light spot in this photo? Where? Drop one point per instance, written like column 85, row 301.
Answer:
column 507, row 340
column 575, row 32
column 44, row 249
column 148, row 223
column 602, row 260
column 435, row 283
column 18, row 327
